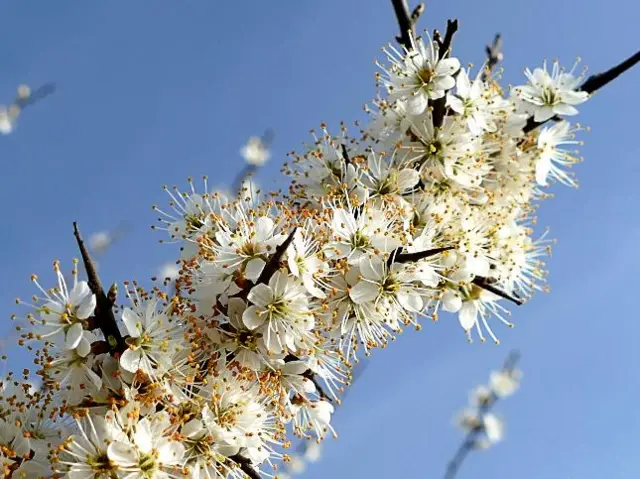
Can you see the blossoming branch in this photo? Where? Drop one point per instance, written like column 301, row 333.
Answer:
column 426, row 209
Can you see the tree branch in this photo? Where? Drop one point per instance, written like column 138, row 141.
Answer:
column 397, row 257
column 103, row 316
column 310, row 375
column 273, row 264
column 485, row 283
column 245, row 466
column 439, row 106
column 37, row 95
column 406, row 21
column 593, row 84
column 470, row 440
column 494, row 56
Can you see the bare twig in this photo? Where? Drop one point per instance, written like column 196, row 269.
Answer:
column 484, row 283
column 406, row 21
column 439, row 106
column 103, row 316
column 245, row 466
column 345, row 154
column 593, row 84
column 310, row 375
column 397, row 257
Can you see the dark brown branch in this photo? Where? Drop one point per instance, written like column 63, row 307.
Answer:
column 103, row 315
column 445, row 47
column 273, row 264
column 406, row 21
column 485, row 283
column 397, row 257
column 593, row 84
column 245, row 466
column 597, row 81
column 439, row 106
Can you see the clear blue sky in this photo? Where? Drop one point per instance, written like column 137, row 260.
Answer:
column 152, row 92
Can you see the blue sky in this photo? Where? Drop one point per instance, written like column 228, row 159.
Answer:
column 151, row 93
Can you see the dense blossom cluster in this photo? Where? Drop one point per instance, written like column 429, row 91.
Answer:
column 427, row 209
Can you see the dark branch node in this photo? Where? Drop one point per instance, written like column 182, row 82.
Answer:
column 273, row 264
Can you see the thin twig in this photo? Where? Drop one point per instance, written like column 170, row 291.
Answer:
column 406, row 21
column 484, row 283
column 103, row 316
column 245, row 466
column 345, row 154
column 469, row 441
column 273, row 264
column 37, row 95
column 593, row 84
column 494, row 56
column 310, row 375
column 439, row 106
column 397, row 257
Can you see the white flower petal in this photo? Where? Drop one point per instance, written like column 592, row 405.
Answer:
column 122, row 454
column 364, row 292
column 468, row 315
column 261, row 295
column 252, row 319
column 254, row 268
column 73, row 336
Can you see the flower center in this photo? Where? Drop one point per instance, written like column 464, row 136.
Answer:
column 388, row 185
column 550, row 97
column 99, row 463
column 426, row 74
column 246, row 339
column 359, row 240
column 390, row 285
column 193, row 222
column 147, row 463
column 249, row 249
column 228, row 417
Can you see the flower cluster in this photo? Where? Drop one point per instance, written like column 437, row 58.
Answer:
column 427, row 209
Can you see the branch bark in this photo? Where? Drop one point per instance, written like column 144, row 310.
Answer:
column 484, row 283
column 103, row 316
column 245, row 466
column 406, row 21
column 439, row 106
